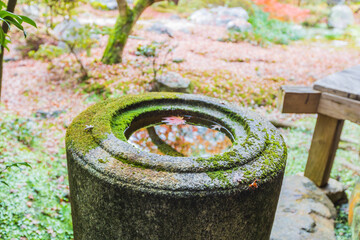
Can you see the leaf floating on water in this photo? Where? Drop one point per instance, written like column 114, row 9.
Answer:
column 173, row 120
column 216, row 127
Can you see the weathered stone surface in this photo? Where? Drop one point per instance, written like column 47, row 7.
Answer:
column 220, row 16
column 168, row 26
column 202, row 16
column 31, row 11
column 304, row 212
column 120, row 192
column 340, row 17
column 52, row 114
column 240, row 25
column 160, row 28
column 354, row 212
column 171, row 82
column 335, row 2
column 66, row 30
column 335, row 191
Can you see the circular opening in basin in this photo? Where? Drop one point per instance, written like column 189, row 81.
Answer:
column 179, row 134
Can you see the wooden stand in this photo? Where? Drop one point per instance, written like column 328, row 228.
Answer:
column 323, row 148
column 335, row 98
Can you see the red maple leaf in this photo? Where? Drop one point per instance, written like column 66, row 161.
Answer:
column 173, row 120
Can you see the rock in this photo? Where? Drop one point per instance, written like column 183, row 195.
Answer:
column 10, row 59
column 174, row 17
column 339, row 43
column 219, row 16
column 240, row 25
column 340, row 17
column 172, row 82
column 45, row 115
column 66, row 30
column 160, row 28
column 109, row 4
column 178, row 60
column 181, row 25
column 335, row 2
column 304, row 212
column 236, row 12
column 31, row 11
column 354, row 212
column 97, row 21
column 335, row 191
column 202, row 16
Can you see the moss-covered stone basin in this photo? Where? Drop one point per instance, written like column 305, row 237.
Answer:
column 115, row 186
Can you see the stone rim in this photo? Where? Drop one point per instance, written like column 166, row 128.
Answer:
column 240, row 153
column 265, row 166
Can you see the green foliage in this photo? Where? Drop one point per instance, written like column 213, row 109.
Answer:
column 55, row 8
column 46, row 52
column 98, row 5
column 35, row 204
column 11, row 19
column 187, row 6
column 98, row 89
column 8, row 167
column 153, row 52
column 342, row 228
column 266, row 30
column 20, row 129
column 84, row 38
column 149, row 50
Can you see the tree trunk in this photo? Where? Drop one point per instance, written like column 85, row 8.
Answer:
column 117, row 40
column 10, row 8
column 124, row 23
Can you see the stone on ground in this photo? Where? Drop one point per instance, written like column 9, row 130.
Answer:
column 240, row 25
column 335, row 2
column 171, row 82
column 66, row 30
column 304, row 212
column 341, row 16
column 220, row 16
column 335, row 191
column 160, row 28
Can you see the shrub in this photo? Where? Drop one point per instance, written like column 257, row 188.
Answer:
column 283, row 11
column 266, row 30
column 46, row 52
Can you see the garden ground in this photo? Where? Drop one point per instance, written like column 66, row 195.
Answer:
column 40, row 98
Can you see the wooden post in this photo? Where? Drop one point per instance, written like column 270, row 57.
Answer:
column 323, row 148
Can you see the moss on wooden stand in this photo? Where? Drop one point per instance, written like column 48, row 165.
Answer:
column 121, row 192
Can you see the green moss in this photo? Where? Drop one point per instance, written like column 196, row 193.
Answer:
column 98, row 115
column 102, row 160
column 220, row 176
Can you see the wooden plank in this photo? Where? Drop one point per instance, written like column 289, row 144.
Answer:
column 339, row 107
column 345, row 83
column 323, row 148
column 298, row 99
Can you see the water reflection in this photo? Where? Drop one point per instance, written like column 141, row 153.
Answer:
column 182, row 136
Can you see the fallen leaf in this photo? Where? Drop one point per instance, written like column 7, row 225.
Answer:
column 173, row 120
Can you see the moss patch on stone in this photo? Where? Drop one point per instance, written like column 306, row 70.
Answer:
column 82, row 139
